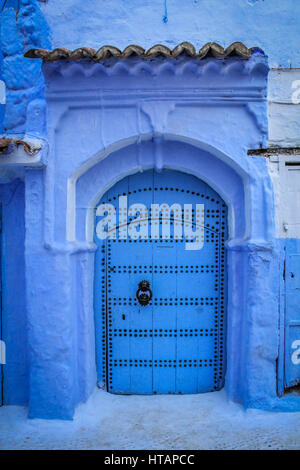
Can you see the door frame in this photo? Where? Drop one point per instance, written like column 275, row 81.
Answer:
column 249, row 254
column 290, row 248
column 101, row 292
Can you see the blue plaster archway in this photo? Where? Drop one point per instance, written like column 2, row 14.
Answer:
column 127, row 157
column 106, row 121
column 238, row 189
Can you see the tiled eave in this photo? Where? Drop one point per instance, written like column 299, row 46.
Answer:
column 270, row 151
column 7, row 143
column 25, row 152
column 211, row 49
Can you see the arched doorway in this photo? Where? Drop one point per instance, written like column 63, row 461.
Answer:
column 168, row 335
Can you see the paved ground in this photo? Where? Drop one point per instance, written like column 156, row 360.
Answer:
column 206, row 421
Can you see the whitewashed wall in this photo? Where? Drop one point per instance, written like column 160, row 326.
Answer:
column 284, row 131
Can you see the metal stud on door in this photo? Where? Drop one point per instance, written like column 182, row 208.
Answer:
column 160, row 286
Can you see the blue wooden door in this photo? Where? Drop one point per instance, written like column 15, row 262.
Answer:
column 292, row 314
column 175, row 343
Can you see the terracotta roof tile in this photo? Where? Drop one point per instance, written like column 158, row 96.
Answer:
column 29, row 147
column 210, row 49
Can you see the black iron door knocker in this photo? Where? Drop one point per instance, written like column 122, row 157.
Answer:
column 144, row 293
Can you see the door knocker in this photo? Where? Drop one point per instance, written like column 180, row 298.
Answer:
column 144, row 293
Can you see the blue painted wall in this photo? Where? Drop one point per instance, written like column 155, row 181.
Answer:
column 30, row 23
column 21, row 29
column 21, row 26
column 14, row 319
column 273, row 26
column 72, row 24
column 2, row 107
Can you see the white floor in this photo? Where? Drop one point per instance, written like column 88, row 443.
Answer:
column 206, row 421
